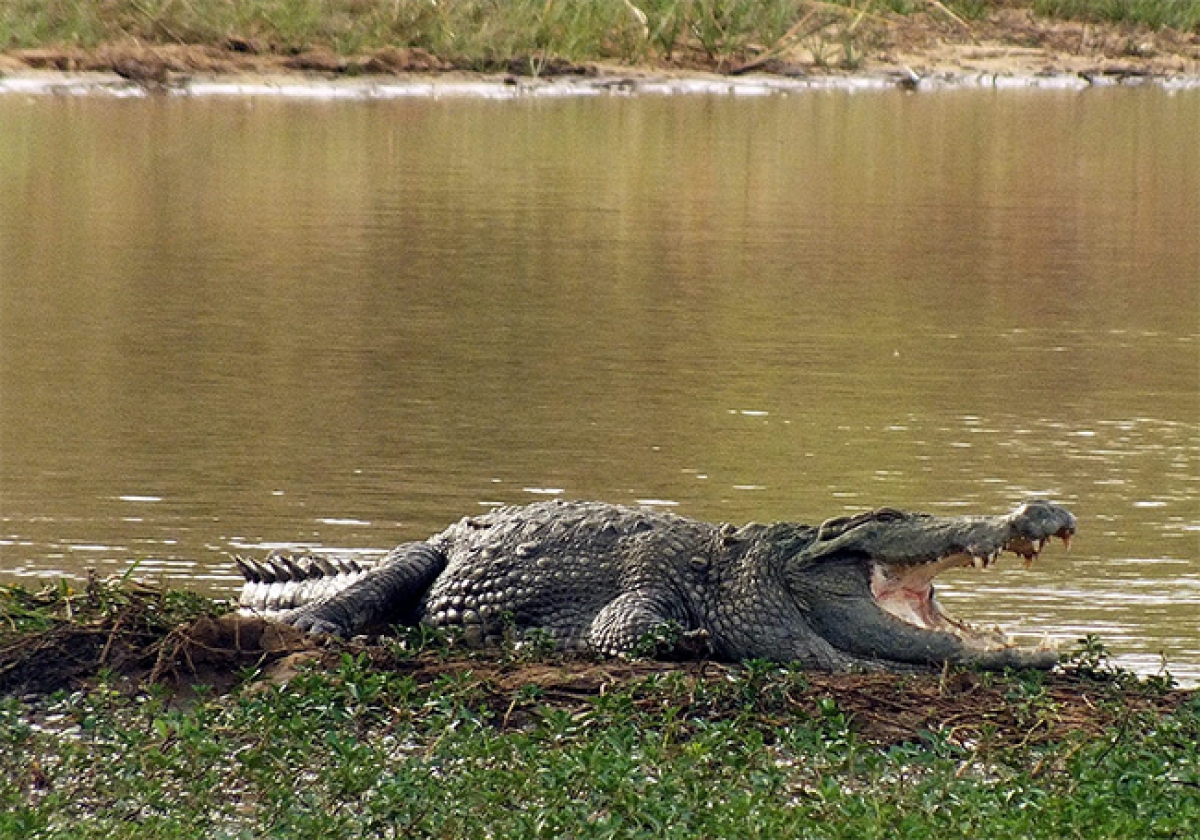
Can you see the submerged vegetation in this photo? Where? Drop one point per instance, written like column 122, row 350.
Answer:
column 412, row 736
column 530, row 35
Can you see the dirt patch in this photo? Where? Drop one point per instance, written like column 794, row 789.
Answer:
column 58, row 639
column 936, row 44
column 163, row 64
column 1015, row 42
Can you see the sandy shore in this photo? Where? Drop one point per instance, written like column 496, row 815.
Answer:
column 1011, row 48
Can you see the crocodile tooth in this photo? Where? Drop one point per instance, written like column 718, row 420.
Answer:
column 979, row 562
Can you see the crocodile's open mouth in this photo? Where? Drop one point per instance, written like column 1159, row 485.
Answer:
column 905, row 591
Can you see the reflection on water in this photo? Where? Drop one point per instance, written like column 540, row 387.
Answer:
column 232, row 325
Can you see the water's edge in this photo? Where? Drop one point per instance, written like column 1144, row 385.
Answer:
column 510, row 87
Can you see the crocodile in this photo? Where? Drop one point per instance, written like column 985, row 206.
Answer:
column 853, row 593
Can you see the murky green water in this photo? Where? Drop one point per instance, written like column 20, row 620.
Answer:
column 232, row 324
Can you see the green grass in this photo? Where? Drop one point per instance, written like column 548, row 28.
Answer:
column 486, row 34
column 1183, row 15
column 416, row 738
column 356, row 752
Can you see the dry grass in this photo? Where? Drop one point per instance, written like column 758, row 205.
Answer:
column 537, row 36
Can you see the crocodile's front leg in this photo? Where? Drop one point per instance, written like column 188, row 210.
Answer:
column 635, row 617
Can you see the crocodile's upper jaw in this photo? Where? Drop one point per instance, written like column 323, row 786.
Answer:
column 905, row 591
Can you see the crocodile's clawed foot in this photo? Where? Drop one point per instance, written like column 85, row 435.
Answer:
column 672, row 643
column 314, row 625
column 694, row 644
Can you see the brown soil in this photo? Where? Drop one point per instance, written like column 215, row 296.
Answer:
column 1015, row 42
column 1010, row 42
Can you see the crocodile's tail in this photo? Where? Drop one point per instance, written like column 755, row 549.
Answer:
column 282, row 582
column 323, row 594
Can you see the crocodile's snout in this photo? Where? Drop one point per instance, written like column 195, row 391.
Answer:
column 1034, row 523
column 1039, row 518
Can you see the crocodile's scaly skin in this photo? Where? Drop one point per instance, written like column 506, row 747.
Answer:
column 599, row 577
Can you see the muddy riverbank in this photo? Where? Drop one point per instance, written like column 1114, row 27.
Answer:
column 137, row 636
column 938, row 48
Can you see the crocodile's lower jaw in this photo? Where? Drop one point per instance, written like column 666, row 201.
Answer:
column 906, row 592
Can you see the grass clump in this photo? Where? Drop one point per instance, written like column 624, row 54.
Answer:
column 62, row 638
column 57, row 634
column 473, row 34
column 1183, row 15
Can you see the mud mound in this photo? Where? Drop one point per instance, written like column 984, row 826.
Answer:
column 60, row 639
